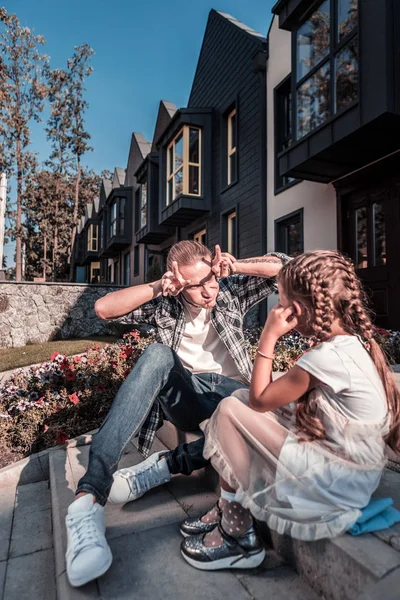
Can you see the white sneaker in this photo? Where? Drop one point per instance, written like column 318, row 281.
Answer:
column 131, row 483
column 88, row 554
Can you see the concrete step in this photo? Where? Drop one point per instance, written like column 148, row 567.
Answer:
column 144, row 538
column 26, row 543
column 338, row 569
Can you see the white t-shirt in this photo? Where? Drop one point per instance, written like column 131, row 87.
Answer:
column 349, row 378
column 201, row 349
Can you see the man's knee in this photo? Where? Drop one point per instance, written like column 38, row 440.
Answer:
column 157, row 355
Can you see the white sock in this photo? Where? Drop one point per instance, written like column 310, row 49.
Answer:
column 229, row 496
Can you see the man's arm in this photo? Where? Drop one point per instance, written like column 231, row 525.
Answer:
column 260, row 266
column 125, row 301
column 253, row 279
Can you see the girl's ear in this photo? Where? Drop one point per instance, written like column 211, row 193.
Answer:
column 297, row 308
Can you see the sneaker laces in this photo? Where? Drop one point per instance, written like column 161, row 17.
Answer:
column 84, row 533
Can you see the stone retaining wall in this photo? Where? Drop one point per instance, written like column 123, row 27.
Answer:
column 40, row 312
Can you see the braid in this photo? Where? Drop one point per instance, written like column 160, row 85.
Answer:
column 325, row 285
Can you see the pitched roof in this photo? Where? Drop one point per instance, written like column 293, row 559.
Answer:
column 166, row 111
column 241, row 25
column 107, row 185
column 119, row 177
column 138, row 151
column 144, row 145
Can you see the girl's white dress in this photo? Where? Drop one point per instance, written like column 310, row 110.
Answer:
column 308, row 490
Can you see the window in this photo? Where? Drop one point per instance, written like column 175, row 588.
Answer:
column 201, row 236
column 116, row 271
column 93, row 241
column 326, row 64
column 136, row 260
column 101, row 239
column 113, row 220
column 232, row 147
column 289, row 234
column 231, row 230
column 183, row 164
column 121, row 216
column 127, row 268
column 143, row 205
column 94, row 272
column 109, row 273
column 137, row 209
column 283, row 128
column 369, row 241
column 117, row 218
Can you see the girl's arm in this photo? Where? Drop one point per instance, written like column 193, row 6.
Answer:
column 266, row 394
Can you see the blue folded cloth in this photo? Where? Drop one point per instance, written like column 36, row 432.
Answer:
column 378, row 514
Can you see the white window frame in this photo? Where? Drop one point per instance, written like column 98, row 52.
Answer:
column 200, row 236
column 93, row 238
column 184, row 167
column 232, row 150
column 230, row 236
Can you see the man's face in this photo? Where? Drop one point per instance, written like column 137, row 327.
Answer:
column 203, row 288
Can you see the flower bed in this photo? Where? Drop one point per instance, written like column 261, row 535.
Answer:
column 45, row 405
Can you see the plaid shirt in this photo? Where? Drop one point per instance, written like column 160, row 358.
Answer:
column 237, row 295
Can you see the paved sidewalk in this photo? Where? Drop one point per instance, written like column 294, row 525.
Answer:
column 26, row 543
column 144, row 538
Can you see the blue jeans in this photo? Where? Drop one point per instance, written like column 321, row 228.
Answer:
column 186, row 400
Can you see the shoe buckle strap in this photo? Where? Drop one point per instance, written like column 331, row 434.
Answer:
column 244, row 552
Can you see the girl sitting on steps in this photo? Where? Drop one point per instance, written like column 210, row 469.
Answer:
column 308, row 476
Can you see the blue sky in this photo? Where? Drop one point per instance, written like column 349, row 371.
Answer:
column 145, row 51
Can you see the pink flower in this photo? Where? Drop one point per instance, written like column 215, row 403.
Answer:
column 74, row 398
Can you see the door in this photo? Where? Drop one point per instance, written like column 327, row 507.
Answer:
column 371, row 237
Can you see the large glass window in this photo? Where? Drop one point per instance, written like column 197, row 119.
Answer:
column 326, row 64
column 93, row 240
column 184, row 164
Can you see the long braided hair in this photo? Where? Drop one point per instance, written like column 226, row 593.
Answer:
column 326, row 287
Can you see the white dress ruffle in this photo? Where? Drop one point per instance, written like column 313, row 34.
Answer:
column 308, row 490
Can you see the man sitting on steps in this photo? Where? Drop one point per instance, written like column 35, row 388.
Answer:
column 198, row 308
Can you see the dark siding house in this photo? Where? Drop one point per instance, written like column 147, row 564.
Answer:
column 203, row 176
column 230, row 79
column 345, row 126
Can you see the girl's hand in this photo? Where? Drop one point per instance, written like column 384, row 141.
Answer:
column 280, row 321
column 172, row 282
